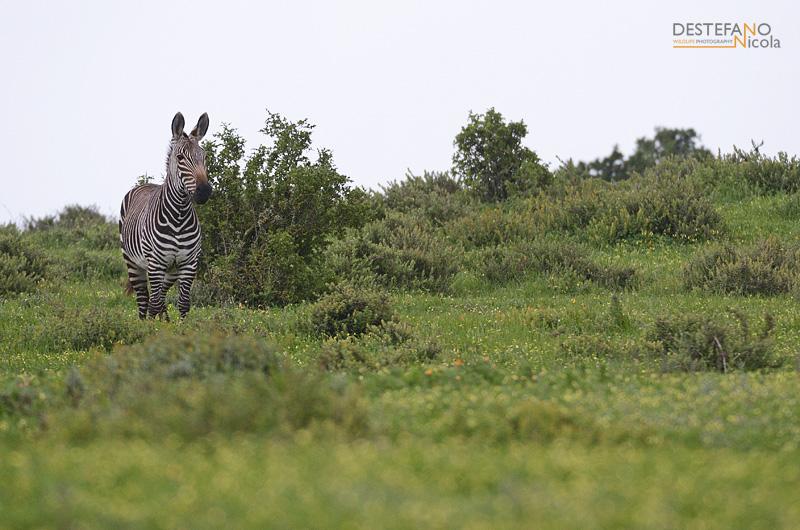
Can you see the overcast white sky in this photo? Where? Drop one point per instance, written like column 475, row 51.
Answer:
column 88, row 89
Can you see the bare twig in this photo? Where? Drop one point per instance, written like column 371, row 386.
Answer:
column 723, row 355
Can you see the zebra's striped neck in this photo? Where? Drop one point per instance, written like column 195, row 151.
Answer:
column 173, row 199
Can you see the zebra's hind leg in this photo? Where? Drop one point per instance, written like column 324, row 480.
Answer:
column 138, row 280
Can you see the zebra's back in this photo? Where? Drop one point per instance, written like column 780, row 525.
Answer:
column 137, row 198
column 132, row 216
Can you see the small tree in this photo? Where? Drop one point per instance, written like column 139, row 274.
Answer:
column 491, row 159
column 271, row 214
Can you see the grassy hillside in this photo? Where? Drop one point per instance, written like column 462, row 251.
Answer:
column 593, row 356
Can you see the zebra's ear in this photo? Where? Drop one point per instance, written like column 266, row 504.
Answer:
column 177, row 125
column 201, row 128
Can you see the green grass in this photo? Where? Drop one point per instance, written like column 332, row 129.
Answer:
column 544, row 408
column 301, row 483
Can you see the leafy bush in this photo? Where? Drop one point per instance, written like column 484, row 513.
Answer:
column 492, row 161
column 765, row 268
column 86, row 328
column 388, row 344
column 731, row 175
column 350, row 310
column 272, row 271
column 666, row 207
column 79, row 263
column 401, row 250
column 21, row 264
column 201, row 383
column 436, row 196
column 505, row 263
column 702, row 342
column 194, row 355
column 72, row 216
column 766, row 174
column 272, row 213
column 81, row 243
column 212, row 289
column 493, row 225
column 572, row 207
column 652, row 205
column 75, row 225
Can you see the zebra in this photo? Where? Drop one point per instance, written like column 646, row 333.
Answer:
column 158, row 227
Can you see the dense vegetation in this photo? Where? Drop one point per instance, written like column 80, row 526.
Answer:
column 603, row 344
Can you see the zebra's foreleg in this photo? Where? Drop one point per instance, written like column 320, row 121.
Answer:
column 157, row 307
column 186, row 274
column 138, row 280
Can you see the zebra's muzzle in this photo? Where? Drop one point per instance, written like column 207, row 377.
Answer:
column 202, row 193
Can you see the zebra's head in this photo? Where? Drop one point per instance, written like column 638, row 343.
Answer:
column 187, row 160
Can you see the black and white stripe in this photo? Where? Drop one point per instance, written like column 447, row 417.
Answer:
column 158, row 228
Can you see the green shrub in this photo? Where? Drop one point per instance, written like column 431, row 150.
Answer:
column 400, row 250
column 81, row 244
column 652, row 205
column 199, row 384
column 79, row 329
column 701, row 342
column 72, row 216
column 766, row 174
column 22, row 266
column 436, row 196
column 75, row 226
column 272, row 213
column 212, row 290
column 350, row 310
column 271, row 272
column 671, row 207
column 552, row 257
column 466, row 282
column 733, row 175
column 79, row 263
column 492, row 225
column 405, row 251
column 506, row 263
column 541, row 421
column 194, row 355
column 765, row 268
column 225, row 405
column 388, row 344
